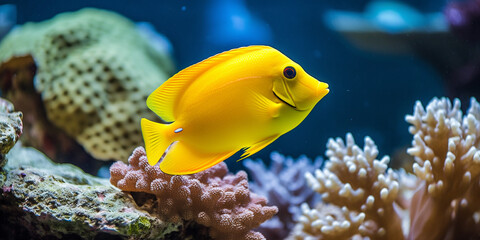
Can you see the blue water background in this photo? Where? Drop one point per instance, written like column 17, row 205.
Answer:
column 370, row 92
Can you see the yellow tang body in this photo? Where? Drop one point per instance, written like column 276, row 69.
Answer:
column 244, row 98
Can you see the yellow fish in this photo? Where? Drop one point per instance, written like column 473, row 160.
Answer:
column 242, row 99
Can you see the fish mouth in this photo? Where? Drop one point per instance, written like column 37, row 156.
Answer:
column 284, row 101
column 322, row 89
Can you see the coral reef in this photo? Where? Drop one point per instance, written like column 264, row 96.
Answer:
column 11, row 128
column 284, row 185
column 213, row 198
column 445, row 146
column 93, row 72
column 17, row 75
column 358, row 190
column 365, row 200
column 43, row 200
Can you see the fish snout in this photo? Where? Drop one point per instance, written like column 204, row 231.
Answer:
column 322, row 90
column 307, row 95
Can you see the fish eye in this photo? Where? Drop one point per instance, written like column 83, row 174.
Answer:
column 289, row 72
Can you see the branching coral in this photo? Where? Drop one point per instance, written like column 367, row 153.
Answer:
column 361, row 193
column 368, row 201
column 213, row 198
column 284, row 185
column 445, row 147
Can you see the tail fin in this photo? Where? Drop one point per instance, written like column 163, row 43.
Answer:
column 156, row 140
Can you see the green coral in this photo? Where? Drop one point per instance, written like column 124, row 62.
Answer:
column 95, row 71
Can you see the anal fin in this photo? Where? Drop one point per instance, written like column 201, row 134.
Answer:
column 182, row 159
column 258, row 146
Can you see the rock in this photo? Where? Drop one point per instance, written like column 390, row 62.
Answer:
column 10, row 128
column 43, row 200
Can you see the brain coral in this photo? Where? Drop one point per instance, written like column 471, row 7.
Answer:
column 94, row 72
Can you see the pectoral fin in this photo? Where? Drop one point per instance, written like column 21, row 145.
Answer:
column 265, row 105
column 182, row 159
column 258, row 146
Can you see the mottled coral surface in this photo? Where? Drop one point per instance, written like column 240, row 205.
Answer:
column 213, row 198
column 90, row 75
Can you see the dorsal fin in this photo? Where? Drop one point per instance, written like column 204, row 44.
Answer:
column 162, row 100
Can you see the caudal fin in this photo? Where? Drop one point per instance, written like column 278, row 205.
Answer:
column 156, row 140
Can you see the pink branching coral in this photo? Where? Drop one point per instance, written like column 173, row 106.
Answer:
column 446, row 149
column 213, row 198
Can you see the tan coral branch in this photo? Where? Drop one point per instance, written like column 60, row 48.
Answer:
column 362, row 190
column 445, row 147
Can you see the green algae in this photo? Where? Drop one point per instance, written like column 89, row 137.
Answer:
column 142, row 224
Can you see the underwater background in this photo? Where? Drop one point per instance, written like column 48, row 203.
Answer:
column 366, row 88
column 391, row 152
